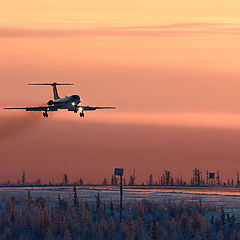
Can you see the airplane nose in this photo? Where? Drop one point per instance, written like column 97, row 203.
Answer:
column 76, row 99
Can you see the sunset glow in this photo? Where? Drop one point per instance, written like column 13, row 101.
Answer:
column 166, row 66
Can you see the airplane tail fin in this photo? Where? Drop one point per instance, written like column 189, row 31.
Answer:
column 54, row 85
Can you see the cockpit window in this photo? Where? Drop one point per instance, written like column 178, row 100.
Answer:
column 75, row 97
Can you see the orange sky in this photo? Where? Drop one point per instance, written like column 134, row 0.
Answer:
column 173, row 62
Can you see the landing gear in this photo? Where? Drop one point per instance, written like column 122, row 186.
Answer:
column 81, row 114
column 75, row 109
column 45, row 114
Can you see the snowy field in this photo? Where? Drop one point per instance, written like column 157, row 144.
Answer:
column 228, row 198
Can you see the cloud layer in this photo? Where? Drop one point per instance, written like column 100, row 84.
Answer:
column 170, row 30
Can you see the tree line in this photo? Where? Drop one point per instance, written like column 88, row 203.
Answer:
column 165, row 179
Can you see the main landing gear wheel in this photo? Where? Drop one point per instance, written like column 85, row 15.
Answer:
column 45, row 114
column 81, row 114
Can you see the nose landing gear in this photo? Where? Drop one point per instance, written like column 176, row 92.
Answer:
column 45, row 114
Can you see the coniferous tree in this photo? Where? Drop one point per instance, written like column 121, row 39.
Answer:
column 181, row 181
column 104, row 181
column 207, row 178
column 218, row 178
column 197, row 177
column 177, row 181
column 75, row 198
column 59, row 203
column 98, row 201
column 115, row 181
column 86, row 205
column 11, row 210
column 167, row 177
column 150, row 180
column 172, row 181
column 154, row 234
column 131, row 181
column 65, row 179
column 37, row 182
column 238, row 178
column 212, row 219
column 80, row 181
column 228, row 217
column 111, row 207
column 223, row 215
column 23, row 177
column 29, row 199
column 112, row 180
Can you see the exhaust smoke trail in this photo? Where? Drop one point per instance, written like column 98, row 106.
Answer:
column 15, row 123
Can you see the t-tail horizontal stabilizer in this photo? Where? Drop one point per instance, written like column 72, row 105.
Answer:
column 55, row 92
column 51, row 84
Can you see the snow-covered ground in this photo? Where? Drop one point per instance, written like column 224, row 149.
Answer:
column 228, row 198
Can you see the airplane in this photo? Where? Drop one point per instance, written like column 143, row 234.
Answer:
column 71, row 103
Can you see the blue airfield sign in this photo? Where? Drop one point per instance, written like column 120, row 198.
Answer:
column 118, row 172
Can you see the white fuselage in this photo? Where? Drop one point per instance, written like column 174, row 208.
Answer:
column 67, row 102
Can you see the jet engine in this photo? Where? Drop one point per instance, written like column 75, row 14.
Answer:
column 50, row 102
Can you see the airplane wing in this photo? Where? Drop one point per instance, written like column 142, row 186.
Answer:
column 88, row 108
column 36, row 109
